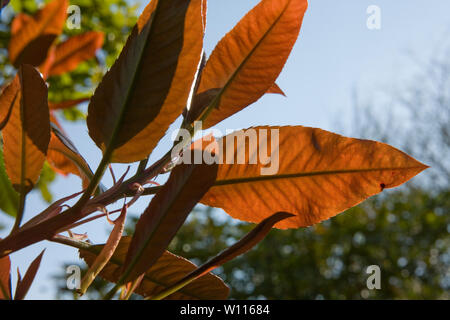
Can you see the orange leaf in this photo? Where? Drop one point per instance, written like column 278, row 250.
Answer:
column 5, row 278
column 69, row 54
column 312, row 173
column 24, row 284
column 148, row 86
column 167, row 270
column 166, row 214
column 242, row 246
column 8, row 99
column 106, row 253
column 276, row 90
column 19, row 21
column 33, row 36
column 66, row 104
column 27, row 133
column 248, row 60
column 204, row 9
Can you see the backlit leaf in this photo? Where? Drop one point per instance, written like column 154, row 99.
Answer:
column 315, row 175
column 27, row 133
column 248, row 60
column 106, row 253
column 8, row 98
column 148, row 86
column 276, row 90
column 33, row 36
column 66, row 104
column 19, row 21
column 9, row 199
column 69, row 54
column 165, row 215
column 5, row 278
column 167, row 270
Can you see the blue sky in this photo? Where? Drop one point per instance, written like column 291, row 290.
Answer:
column 335, row 54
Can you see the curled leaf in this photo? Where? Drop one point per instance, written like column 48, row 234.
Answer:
column 65, row 158
column 106, row 253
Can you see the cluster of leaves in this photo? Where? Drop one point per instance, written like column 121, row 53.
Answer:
column 161, row 74
column 68, row 90
column 115, row 18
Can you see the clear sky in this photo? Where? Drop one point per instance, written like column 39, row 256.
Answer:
column 335, row 53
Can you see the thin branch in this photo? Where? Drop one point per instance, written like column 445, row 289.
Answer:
column 73, row 243
column 84, row 207
column 20, row 212
column 142, row 166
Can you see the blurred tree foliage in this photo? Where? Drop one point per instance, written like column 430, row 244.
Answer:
column 113, row 17
column 404, row 233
